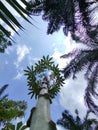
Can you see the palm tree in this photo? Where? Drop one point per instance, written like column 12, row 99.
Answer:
column 79, row 17
column 44, row 81
column 76, row 123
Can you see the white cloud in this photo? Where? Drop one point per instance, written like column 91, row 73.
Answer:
column 32, row 60
column 18, row 76
column 56, row 55
column 59, row 127
column 72, row 94
column 69, row 45
column 20, row 73
column 21, row 51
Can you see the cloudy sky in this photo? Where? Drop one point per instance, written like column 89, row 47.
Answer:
column 30, row 46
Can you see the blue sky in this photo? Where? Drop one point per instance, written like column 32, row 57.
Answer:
column 30, row 46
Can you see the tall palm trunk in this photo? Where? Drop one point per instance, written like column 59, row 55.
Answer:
column 41, row 119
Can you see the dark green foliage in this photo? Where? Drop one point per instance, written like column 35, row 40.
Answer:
column 76, row 17
column 76, row 123
column 10, row 109
column 44, row 64
column 4, row 41
column 9, row 19
column 19, row 126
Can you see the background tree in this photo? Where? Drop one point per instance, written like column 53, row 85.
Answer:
column 18, row 126
column 76, row 123
column 4, row 42
column 78, row 17
column 10, row 109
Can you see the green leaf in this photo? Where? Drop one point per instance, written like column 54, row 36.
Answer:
column 19, row 125
column 18, row 8
column 6, row 20
column 40, row 67
column 24, row 127
column 9, row 15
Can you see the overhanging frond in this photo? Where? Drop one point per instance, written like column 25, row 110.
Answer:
column 91, row 90
column 79, row 61
column 8, row 17
column 2, row 89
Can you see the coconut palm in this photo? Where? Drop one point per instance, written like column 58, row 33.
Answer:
column 44, row 81
column 70, row 122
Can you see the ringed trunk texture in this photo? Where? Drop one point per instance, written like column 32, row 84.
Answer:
column 41, row 119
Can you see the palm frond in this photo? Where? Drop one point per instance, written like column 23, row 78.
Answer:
column 87, row 60
column 35, row 7
column 2, row 89
column 79, row 61
column 70, row 122
column 6, row 32
column 77, row 17
column 91, row 90
column 67, row 120
column 70, row 54
column 8, row 18
column 21, row 11
column 9, row 15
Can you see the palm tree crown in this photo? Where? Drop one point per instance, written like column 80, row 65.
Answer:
column 78, row 17
column 44, row 72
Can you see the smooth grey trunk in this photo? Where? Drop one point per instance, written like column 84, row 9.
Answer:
column 41, row 116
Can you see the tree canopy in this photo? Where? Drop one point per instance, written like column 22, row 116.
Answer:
column 44, row 71
column 70, row 122
column 10, row 109
column 18, row 126
column 78, row 17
